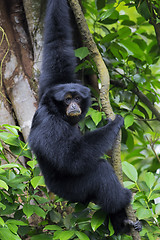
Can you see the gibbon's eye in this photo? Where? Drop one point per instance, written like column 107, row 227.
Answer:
column 77, row 99
column 68, row 99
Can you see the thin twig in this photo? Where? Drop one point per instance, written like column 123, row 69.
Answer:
column 151, row 143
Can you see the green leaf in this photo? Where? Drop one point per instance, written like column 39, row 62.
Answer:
column 6, row 234
column 65, row 235
column 19, row 179
column 106, row 14
column 1, row 147
column 81, row 52
column 10, row 165
column 13, row 228
column 128, row 120
column 2, row 206
column 42, row 237
column 150, row 236
column 143, row 110
column 109, row 37
column 21, row 150
column 100, row 4
column 39, row 211
column 28, row 210
column 67, row 221
column 32, row 163
column 154, row 196
column 24, row 170
column 95, row 115
column 13, row 129
column 130, row 171
column 82, row 236
column 149, row 179
column 9, row 138
column 110, row 227
column 37, row 181
column 55, row 216
column 53, row 227
column 157, row 187
column 157, row 209
column 130, row 141
column 1, row 222
column 132, row 48
column 9, row 199
column 114, row 47
column 138, row 113
column 124, row 32
column 16, row 222
column 139, row 79
column 143, row 213
column 90, row 124
column 143, row 45
column 143, row 9
column 128, row 23
column 97, row 219
column 129, row 184
column 3, row 185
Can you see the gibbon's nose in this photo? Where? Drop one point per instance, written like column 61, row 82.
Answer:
column 73, row 106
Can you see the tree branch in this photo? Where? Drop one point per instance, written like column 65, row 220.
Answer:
column 104, row 91
column 153, row 20
column 141, row 96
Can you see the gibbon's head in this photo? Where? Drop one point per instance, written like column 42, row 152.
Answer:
column 72, row 101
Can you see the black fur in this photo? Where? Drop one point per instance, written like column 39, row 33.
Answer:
column 71, row 162
column 59, row 61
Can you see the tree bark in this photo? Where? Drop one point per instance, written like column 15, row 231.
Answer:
column 17, row 67
column 6, row 115
column 35, row 12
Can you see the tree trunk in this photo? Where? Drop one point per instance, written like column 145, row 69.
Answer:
column 18, row 63
column 35, row 12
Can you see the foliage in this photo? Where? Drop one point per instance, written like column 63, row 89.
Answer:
column 147, row 190
column 125, row 33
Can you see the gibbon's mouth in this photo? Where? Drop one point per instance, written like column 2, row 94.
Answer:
column 75, row 113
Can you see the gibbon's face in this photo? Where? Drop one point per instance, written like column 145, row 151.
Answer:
column 71, row 101
column 73, row 104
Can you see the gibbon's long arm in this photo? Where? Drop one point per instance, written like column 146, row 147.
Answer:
column 59, row 60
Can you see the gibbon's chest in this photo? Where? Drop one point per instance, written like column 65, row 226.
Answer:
column 60, row 130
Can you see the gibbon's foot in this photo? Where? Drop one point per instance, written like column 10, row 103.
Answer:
column 136, row 225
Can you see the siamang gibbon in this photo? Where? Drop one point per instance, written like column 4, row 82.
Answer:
column 72, row 163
